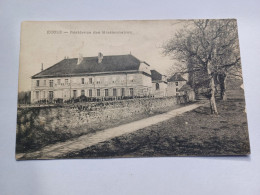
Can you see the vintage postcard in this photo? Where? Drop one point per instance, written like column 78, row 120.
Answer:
column 109, row 89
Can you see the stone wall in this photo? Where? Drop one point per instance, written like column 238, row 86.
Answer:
column 88, row 115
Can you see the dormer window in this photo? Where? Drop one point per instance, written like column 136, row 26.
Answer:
column 82, row 80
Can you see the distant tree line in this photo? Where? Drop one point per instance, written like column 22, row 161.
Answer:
column 24, row 97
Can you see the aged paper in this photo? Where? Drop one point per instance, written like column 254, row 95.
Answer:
column 108, row 89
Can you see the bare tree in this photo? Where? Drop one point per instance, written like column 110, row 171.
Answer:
column 209, row 46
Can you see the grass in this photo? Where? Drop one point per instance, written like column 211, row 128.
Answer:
column 195, row 133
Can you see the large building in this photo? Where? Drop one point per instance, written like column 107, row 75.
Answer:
column 100, row 77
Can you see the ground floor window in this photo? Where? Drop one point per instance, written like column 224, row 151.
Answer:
column 74, row 93
column 37, row 95
column 131, row 92
column 82, row 92
column 90, row 93
column 157, row 86
column 114, row 92
column 106, row 92
column 50, row 95
column 123, row 92
column 98, row 92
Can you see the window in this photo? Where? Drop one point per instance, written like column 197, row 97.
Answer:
column 44, row 82
column 131, row 92
column 44, row 94
column 123, row 91
column 82, row 92
column 74, row 93
column 58, row 81
column 90, row 93
column 106, row 92
column 98, row 80
column 176, row 83
column 114, row 92
column 131, row 79
column 90, row 80
column 82, row 81
column 98, row 92
column 66, row 81
column 50, row 95
column 177, row 89
column 157, row 86
column 51, row 83
column 37, row 83
column 37, row 95
column 114, row 79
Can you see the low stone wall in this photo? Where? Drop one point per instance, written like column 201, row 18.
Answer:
column 43, row 125
column 89, row 115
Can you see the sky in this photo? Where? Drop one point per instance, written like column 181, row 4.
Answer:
column 50, row 42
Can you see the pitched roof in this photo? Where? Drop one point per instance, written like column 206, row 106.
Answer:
column 156, row 75
column 176, row 77
column 90, row 65
column 185, row 87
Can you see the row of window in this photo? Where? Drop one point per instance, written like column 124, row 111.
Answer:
column 90, row 81
column 51, row 82
column 90, row 93
column 106, row 92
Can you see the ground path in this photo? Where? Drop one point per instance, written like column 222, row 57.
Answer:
column 84, row 141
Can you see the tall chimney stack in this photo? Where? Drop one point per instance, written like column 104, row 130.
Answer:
column 42, row 67
column 100, row 57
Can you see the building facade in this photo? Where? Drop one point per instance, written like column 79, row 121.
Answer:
column 99, row 77
column 159, row 84
column 174, row 84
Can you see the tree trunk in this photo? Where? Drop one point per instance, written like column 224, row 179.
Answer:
column 212, row 100
column 222, row 82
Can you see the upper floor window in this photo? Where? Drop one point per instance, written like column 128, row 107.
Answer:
column 66, row 81
column 176, row 83
column 58, row 81
column 177, row 89
column 131, row 79
column 51, row 83
column 37, row 83
column 44, row 82
column 82, row 80
column 98, row 80
column 157, row 86
column 90, row 80
column 113, row 79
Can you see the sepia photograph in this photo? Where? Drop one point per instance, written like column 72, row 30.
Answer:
column 120, row 89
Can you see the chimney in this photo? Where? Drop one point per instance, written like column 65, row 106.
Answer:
column 42, row 67
column 100, row 57
column 80, row 59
